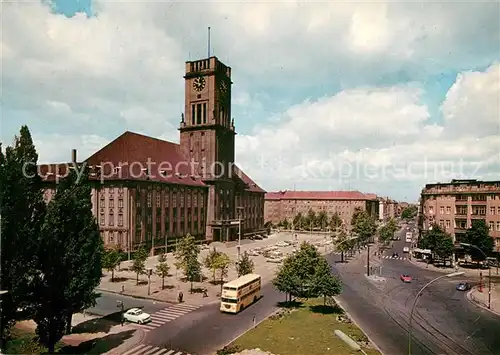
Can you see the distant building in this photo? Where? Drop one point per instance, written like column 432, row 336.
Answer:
column 456, row 204
column 283, row 205
column 154, row 191
column 388, row 209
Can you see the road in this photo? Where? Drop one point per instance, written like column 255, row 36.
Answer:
column 107, row 304
column 444, row 321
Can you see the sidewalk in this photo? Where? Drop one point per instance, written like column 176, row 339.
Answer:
column 481, row 298
column 446, row 270
column 125, row 280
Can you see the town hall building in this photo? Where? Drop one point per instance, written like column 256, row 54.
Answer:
column 148, row 191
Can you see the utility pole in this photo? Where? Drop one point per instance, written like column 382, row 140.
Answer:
column 238, row 210
column 368, row 261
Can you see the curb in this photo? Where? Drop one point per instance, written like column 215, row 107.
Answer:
column 357, row 324
column 135, row 296
column 120, row 349
column 471, row 299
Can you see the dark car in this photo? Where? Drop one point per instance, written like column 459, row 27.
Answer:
column 463, row 286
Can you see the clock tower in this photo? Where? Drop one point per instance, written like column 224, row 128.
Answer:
column 207, row 134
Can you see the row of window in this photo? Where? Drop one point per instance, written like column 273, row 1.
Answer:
column 463, row 210
column 462, row 224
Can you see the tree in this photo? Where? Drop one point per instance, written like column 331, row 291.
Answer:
column 479, row 235
column 324, row 283
column 192, row 269
column 444, row 247
column 139, row 263
column 310, row 219
column 22, row 212
column 162, row 269
column 363, row 225
column 298, row 220
column 386, row 232
column 409, row 212
column 335, row 221
column 342, row 242
column 245, row 266
column 221, row 263
column 437, row 240
column 69, row 258
column 210, row 262
column 111, row 258
column 322, row 220
column 286, row 279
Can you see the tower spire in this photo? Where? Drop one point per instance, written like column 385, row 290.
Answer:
column 208, row 41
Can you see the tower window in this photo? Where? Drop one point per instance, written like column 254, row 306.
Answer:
column 198, row 114
column 193, row 114
column 204, row 112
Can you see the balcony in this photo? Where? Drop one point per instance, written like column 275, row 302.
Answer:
column 478, row 216
column 459, row 230
column 461, row 202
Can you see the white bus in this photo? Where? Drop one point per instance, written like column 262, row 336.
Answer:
column 409, row 237
column 240, row 293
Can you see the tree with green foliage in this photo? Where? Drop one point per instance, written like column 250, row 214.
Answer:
column 478, row 235
column 111, row 258
column 245, row 266
column 286, row 279
column 310, row 220
column 69, row 258
column 335, row 221
column 444, row 247
column 298, row 221
column 364, row 225
column 386, row 232
column 437, row 240
column 325, row 284
column 342, row 242
column 322, row 220
column 222, row 263
column 187, row 259
column 139, row 262
column 210, row 262
column 192, row 269
column 409, row 212
column 162, row 269
column 22, row 211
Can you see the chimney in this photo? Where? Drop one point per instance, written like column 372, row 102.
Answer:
column 73, row 155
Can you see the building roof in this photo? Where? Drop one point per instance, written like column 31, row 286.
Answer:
column 133, row 156
column 319, row 195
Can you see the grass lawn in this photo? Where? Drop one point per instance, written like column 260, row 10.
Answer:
column 23, row 342
column 306, row 329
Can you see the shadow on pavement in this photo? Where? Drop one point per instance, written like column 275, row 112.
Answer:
column 98, row 325
column 326, row 309
column 100, row 345
column 291, row 304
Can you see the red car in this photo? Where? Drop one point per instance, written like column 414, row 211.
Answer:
column 405, row 278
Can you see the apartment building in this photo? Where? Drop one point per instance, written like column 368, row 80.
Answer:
column 282, row 205
column 388, row 209
column 456, row 204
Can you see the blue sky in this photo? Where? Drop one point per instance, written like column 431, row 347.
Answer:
column 350, row 87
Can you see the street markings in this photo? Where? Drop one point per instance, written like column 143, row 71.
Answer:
column 394, row 257
column 144, row 349
column 167, row 315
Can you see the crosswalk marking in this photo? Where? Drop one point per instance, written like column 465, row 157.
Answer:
column 144, row 349
column 394, row 257
column 166, row 315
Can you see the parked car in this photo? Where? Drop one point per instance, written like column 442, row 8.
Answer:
column 405, row 278
column 136, row 315
column 463, row 286
column 406, row 250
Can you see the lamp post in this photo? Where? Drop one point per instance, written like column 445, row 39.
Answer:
column 149, row 273
column 489, row 269
column 453, row 274
column 238, row 211
column 370, row 240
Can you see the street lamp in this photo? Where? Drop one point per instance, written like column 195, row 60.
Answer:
column 149, row 272
column 489, row 270
column 453, row 274
column 238, row 210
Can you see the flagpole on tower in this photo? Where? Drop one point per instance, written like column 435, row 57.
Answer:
column 208, row 41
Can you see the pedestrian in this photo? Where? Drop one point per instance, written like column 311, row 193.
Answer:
column 205, row 293
column 181, row 296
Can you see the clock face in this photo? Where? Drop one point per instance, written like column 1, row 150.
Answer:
column 199, row 83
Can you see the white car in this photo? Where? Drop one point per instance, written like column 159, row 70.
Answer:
column 406, row 250
column 136, row 315
column 282, row 244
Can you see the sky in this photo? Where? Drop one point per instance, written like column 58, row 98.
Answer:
column 376, row 96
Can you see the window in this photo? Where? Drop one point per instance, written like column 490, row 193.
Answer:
column 174, row 198
column 431, row 210
column 193, row 115
column 492, row 210
column 149, row 199
column 448, row 210
column 111, row 219
column 158, row 199
column 111, row 203
column 204, row 112
column 120, row 191
column 498, row 226
column 492, row 226
column 120, row 203
column 120, row 238
column 448, row 223
column 441, row 210
column 103, row 201
column 102, row 218
column 498, row 210
column 198, row 114
column 120, row 220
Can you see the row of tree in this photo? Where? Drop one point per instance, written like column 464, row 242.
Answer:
column 409, row 212
column 386, row 232
column 51, row 253
column 312, row 220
